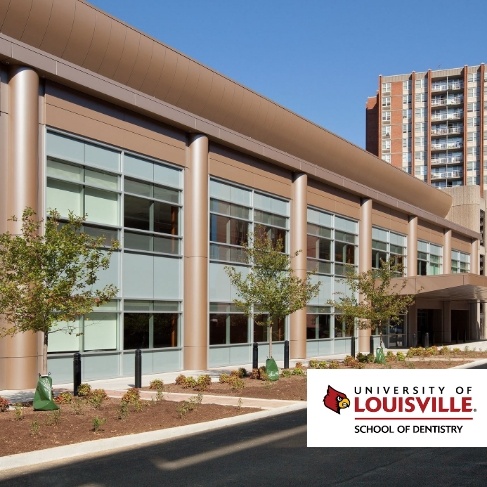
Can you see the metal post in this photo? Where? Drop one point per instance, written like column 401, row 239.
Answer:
column 352, row 346
column 138, row 368
column 255, row 356
column 286, row 354
column 76, row 372
column 415, row 341
column 426, row 343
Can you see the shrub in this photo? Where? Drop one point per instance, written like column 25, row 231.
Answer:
column 299, row 365
column 97, row 397
column 131, row 396
column 202, row 383
column 84, row 390
column 444, row 351
column 400, row 356
column 349, row 361
column 236, row 383
column 180, row 380
column 242, row 372
column 98, row 423
column 333, row 365
column 156, row 384
column 189, row 405
column 263, row 373
column 224, row 378
column 298, row 371
column 64, row 397
column 253, row 375
column 4, row 404
column 390, row 357
column 361, row 357
column 286, row 373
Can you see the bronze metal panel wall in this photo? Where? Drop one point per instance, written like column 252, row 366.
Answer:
column 461, row 243
column 82, row 115
column 430, row 233
column 390, row 219
column 333, row 199
column 230, row 165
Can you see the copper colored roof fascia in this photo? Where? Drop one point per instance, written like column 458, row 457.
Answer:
column 13, row 51
column 115, row 50
column 452, row 287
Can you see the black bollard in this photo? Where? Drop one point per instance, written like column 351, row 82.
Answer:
column 286, row 354
column 76, row 372
column 353, row 352
column 415, row 341
column 138, row 368
column 426, row 343
column 255, row 356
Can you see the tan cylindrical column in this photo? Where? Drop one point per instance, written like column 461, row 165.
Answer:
column 299, row 219
column 195, row 337
column 19, row 355
column 365, row 260
column 447, row 251
column 474, row 258
column 412, row 257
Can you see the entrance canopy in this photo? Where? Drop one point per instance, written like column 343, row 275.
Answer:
column 446, row 287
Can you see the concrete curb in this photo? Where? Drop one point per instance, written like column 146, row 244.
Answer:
column 118, row 443
column 471, row 365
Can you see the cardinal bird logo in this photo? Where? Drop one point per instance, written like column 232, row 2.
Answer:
column 335, row 400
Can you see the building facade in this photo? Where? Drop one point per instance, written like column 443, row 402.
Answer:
column 432, row 125
column 180, row 164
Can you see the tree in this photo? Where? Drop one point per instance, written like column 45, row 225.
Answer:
column 382, row 301
column 49, row 277
column 270, row 289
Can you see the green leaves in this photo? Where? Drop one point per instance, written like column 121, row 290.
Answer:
column 270, row 287
column 49, row 276
column 382, row 301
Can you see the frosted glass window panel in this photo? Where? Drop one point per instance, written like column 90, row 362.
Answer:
column 422, row 246
column 65, row 148
column 110, row 275
column 167, row 176
column 101, row 206
column 345, row 224
column 101, row 180
column 102, row 157
column 138, row 276
column 139, row 168
column 271, row 204
column 167, row 278
column 436, row 250
column 64, row 197
column 231, row 193
column 66, row 172
column 220, row 287
column 319, row 218
column 379, row 234
column 398, row 239
column 64, row 337
column 100, row 331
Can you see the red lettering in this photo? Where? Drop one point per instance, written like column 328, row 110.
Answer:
column 466, row 405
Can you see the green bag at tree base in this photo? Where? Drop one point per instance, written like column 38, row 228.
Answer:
column 43, row 399
column 271, row 369
column 379, row 356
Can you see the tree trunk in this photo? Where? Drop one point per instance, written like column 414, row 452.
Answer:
column 44, row 354
column 269, row 332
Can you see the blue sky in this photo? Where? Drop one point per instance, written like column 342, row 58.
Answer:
column 319, row 58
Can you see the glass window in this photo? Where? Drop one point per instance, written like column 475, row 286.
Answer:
column 228, row 329
column 150, row 330
column 318, row 324
column 261, row 332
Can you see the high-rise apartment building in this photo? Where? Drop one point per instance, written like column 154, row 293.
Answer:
column 432, row 125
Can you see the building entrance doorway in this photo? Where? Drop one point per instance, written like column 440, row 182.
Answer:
column 430, row 327
column 459, row 326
